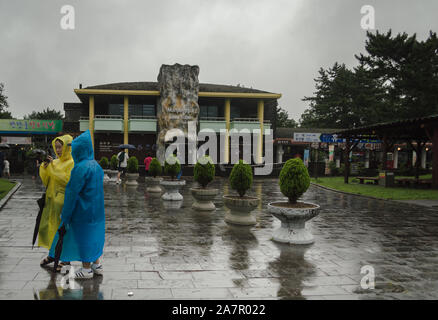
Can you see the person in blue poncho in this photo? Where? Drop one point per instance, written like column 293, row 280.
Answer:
column 83, row 214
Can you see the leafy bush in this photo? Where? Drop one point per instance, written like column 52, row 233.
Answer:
column 204, row 171
column 342, row 169
column 104, row 163
column 241, row 177
column 114, row 162
column 172, row 166
column 132, row 165
column 155, row 168
column 294, row 179
column 334, row 171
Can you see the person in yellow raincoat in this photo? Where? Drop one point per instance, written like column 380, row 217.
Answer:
column 55, row 175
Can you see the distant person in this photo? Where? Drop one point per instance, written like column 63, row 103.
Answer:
column 2, row 158
column 147, row 163
column 83, row 214
column 123, row 163
column 6, row 168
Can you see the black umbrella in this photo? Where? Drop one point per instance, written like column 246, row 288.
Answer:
column 41, row 202
column 58, row 248
column 126, row 146
column 38, row 151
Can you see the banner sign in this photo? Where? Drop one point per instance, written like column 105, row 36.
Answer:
column 307, row 137
column 17, row 140
column 30, row 126
column 306, row 157
column 333, row 138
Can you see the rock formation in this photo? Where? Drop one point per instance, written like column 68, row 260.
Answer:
column 178, row 103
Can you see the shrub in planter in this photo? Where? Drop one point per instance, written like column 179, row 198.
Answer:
column 132, row 165
column 155, row 168
column 241, row 177
column 204, row 171
column 172, row 166
column 104, row 163
column 294, row 179
column 114, row 162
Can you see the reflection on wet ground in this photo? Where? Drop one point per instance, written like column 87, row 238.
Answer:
column 155, row 250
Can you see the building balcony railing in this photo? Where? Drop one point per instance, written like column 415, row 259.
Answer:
column 115, row 123
column 248, row 123
column 142, row 124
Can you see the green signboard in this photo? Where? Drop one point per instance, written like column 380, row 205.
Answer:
column 30, row 126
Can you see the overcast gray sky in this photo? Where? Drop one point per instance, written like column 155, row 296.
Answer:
column 272, row 45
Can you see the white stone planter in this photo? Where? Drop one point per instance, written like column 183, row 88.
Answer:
column 132, row 179
column 204, row 198
column 171, row 206
column 293, row 223
column 171, row 188
column 106, row 177
column 153, row 184
column 110, row 175
column 240, row 210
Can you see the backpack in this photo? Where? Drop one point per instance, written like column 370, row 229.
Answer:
column 121, row 157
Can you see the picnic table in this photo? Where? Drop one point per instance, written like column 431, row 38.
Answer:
column 374, row 179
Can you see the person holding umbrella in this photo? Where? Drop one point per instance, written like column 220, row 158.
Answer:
column 81, row 236
column 55, row 174
column 122, row 158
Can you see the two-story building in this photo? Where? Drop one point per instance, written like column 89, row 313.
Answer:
column 126, row 112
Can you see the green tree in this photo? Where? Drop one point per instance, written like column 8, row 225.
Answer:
column 45, row 114
column 408, row 71
column 4, row 104
column 283, row 121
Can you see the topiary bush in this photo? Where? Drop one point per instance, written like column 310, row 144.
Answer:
column 334, row 171
column 104, row 163
column 172, row 166
column 155, row 168
column 241, row 177
column 294, row 179
column 114, row 162
column 132, row 165
column 204, row 171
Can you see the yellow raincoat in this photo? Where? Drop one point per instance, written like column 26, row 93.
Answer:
column 55, row 177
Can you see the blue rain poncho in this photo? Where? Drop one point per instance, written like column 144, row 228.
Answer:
column 83, row 213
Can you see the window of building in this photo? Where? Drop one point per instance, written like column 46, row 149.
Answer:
column 134, row 109
column 234, row 112
column 208, row 112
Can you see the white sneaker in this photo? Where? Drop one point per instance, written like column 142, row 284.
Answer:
column 82, row 274
column 97, row 269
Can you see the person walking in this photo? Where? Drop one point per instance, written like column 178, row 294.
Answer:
column 2, row 159
column 55, row 174
column 6, row 168
column 123, row 163
column 147, row 162
column 83, row 214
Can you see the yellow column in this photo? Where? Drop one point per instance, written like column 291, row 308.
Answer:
column 260, row 115
column 126, row 121
column 91, row 118
column 227, row 123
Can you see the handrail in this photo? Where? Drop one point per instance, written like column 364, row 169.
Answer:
column 143, row 117
column 250, row 120
column 212, row 119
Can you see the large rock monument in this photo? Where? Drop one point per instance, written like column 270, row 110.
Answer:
column 178, row 103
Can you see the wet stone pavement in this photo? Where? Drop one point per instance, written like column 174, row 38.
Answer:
column 156, row 252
